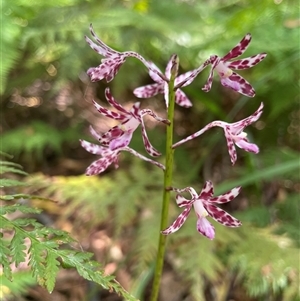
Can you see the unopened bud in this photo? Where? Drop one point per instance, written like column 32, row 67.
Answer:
column 175, row 65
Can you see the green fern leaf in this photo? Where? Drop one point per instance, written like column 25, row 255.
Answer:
column 4, row 169
column 52, row 268
column 37, row 261
column 17, row 248
column 11, row 183
column 15, row 207
column 4, row 258
column 23, row 196
column 89, row 270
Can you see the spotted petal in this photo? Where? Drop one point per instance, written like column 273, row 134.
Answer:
column 148, row 90
column 237, row 127
column 111, row 135
column 230, row 145
column 109, row 113
column 227, row 196
column 110, row 99
column 101, row 165
column 178, row 222
column 208, row 84
column 182, row 100
column 238, row 84
column 154, row 75
column 148, row 146
column 92, row 148
column 207, row 191
column 104, row 49
column 246, row 63
column 239, row 49
column 221, row 216
column 182, row 201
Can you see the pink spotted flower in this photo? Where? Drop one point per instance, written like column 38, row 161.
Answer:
column 234, row 134
column 112, row 61
column 224, row 68
column 108, row 156
column 120, row 135
column 161, row 84
column 204, row 206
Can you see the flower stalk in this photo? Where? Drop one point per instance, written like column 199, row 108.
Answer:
column 167, row 181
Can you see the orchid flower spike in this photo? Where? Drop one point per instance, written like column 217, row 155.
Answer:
column 109, row 157
column 112, row 61
column 228, row 77
column 161, row 84
column 204, row 205
column 120, row 136
column 234, row 134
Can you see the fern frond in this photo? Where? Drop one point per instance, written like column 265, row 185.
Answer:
column 4, row 258
column 51, row 270
column 44, row 254
column 18, row 248
column 11, row 183
column 273, row 270
column 37, row 262
column 6, row 166
column 18, row 207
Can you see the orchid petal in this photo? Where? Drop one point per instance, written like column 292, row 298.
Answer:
column 94, row 133
column 114, row 133
column 149, row 90
column 227, row 196
column 166, row 94
column 106, row 49
column 182, row 201
column 92, row 148
column 246, row 63
column 239, row 84
column 153, row 74
column 208, row 83
column 110, row 99
column 239, row 49
column 121, row 141
column 237, row 127
column 178, row 222
column 182, row 100
column 230, row 145
column 100, row 165
column 109, row 113
column 168, row 68
column 205, row 228
column 248, row 147
column 207, row 191
column 222, row 217
column 148, row 146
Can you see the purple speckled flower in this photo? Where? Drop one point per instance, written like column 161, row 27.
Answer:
column 109, row 157
column 228, row 77
column 112, row 61
column 204, row 205
column 161, row 84
column 120, row 135
column 234, row 133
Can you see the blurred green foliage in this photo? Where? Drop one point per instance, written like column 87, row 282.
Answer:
column 46, row 107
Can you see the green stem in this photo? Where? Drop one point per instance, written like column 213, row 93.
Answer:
column 167, row 183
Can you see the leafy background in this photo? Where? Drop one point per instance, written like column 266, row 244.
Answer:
column 46, row 107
